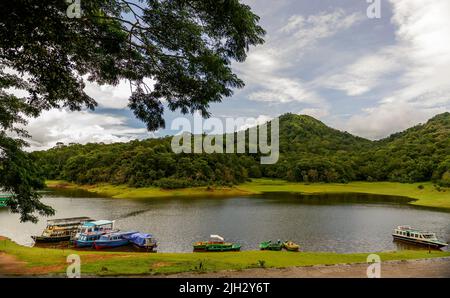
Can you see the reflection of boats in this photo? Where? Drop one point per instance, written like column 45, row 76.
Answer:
column 142, row 241
column 291, row 246
column 414, row 236
column 91, row 231
column 215, row 244
column 112, row 240
column 58, row 230
column 269, row 245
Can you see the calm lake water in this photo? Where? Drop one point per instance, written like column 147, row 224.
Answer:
column 339, row 223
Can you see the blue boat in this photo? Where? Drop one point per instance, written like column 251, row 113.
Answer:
column 92, row 231
column 142, row 241
column 112, row 240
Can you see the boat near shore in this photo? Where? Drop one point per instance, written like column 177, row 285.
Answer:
column 269, row 245
column 291, row 246
column 417, row 237
column 89, row 232
column 143, row 242
column 59, row 230
column 216, row 244
column 3, row 200
column 112, row 240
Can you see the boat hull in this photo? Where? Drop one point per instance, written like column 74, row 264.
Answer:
column 223, row 248
column 43, row 239
column 148, row 248
column 82, row 243
column 419, row 242
column 110, row 244
column 291, row 246
column 270, row 246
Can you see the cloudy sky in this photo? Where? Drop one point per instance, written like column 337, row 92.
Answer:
column 324, row 58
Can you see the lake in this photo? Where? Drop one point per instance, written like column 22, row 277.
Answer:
column 331, row 222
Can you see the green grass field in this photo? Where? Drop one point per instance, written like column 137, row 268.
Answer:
column 52, row 261
column 429, row 196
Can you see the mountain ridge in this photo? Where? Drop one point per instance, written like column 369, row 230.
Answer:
column 310, row 151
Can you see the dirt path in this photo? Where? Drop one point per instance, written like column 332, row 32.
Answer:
column 10, row 265
column 439, row 267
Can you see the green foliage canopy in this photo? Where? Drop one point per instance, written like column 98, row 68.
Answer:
column 185, row 46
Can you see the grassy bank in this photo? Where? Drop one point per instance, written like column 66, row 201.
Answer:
column 125, row 192
column 51, row 261
column 428, row 196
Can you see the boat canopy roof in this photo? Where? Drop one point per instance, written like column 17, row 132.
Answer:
column 68, row 221
column 217, row 237
column 413, row 230
column 138, row 238
column 118, row 233
column 98, row 223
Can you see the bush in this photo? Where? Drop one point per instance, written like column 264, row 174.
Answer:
column 172, row 183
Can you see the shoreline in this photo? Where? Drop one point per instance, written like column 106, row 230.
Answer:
column 421, row 268
column 17, row 260
column 427, row 196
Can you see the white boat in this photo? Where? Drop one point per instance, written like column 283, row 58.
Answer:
column 411, row 235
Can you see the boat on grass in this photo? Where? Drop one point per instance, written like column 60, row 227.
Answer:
column 415, row 236
column 58, row 230
column 142, row 241
column 4, row 199
column 216, row 244
column 112, row 240
column 269, row 245
column 89, row 232
column 291, row 246
column 223, row 247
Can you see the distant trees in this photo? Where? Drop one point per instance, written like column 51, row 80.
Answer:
column 322, row 154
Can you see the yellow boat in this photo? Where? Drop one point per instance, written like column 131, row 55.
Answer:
column 291, row 246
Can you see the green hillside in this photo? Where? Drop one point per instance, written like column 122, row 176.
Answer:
column 310, row 152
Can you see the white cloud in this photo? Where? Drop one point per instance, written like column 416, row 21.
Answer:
column 107, row 96
column 381, row 121
column 113, row 97
column 266, row 67
column 79, row 127
column 252, row 122
column 285, row 90
column 416, row 67
column 315, row 112
column 424, row 38
column 367, row 73
column 306, row 31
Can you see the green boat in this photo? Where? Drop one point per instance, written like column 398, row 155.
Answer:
column 215, row 244
column 223, row 247
column 3, row 200
column 269, row 245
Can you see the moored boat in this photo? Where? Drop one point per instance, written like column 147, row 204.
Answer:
column 269, row 245
column 201, row 245
column 415, row 236
column 3, row 200
column 59, row 230
column 89, row 232
column 223, row 247
column 142, row 241
column 291, row 246
column 216, row 244
column 112, row 240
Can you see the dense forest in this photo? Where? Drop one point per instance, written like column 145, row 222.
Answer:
column 310, row 151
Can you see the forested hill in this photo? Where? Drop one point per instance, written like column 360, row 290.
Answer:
column 310, row 152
